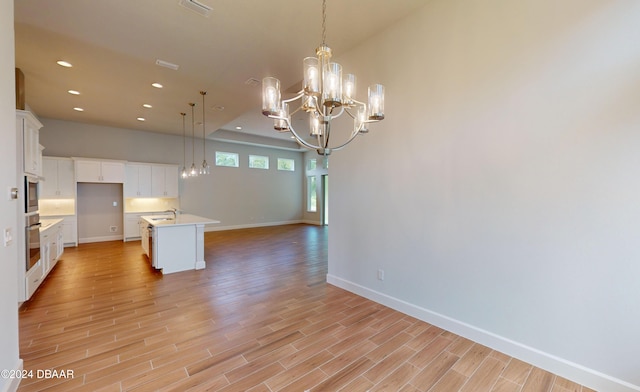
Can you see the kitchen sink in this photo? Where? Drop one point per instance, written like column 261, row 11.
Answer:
column 161, row 219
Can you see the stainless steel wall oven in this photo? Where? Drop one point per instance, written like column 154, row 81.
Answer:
column 30, row 194
column 32, row 240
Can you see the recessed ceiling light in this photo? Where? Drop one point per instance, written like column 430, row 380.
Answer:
column 140, row 118
column 64, row 63
column 78, row 109
column 157, row 85
column 146, row 105
column 219, row 108
column 74, row 92
column 238, row 128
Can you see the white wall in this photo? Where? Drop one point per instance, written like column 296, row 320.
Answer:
column 238, row 197
column 9, row 355
column 501, row 194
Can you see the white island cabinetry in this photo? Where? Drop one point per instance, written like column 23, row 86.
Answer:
column 176, row 244
column 133, row 224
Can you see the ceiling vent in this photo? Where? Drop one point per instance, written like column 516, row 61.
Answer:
column 196, row 6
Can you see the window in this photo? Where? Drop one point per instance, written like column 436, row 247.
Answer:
column 312, row 195
column 229, row 159
column 311, row 164
column 258, row 162
column 286, row 164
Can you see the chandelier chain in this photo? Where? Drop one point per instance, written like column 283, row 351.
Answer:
column 324, row 22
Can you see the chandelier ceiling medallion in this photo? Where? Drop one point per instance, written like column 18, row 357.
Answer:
column 325, row 96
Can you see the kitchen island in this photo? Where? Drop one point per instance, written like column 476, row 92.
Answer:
column 175, row 242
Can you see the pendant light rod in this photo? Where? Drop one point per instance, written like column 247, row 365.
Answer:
column 205, row 169
column 183, row 172
column 193, row 172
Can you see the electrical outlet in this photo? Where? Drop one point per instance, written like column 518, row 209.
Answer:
column 380, row 274
column 113, row 229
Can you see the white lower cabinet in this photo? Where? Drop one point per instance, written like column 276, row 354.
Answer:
column 132, row 226
column 33, row 278
column 51, row 248
column 69, row 230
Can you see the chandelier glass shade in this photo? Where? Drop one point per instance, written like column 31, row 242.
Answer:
column 326, row 95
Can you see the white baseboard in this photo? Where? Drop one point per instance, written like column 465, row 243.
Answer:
column 87, row 240
column 567, row 369
column 250, row 225
column 12, row 385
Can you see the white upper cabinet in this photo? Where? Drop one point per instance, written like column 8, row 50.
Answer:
column 137, row 180
column 59, row 180
column 99, row 171
column 164, row 180
column 28, row 128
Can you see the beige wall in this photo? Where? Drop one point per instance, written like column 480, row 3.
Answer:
column 97, row 212
column 500, row 194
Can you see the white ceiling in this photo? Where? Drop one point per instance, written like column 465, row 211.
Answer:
column 113, row 46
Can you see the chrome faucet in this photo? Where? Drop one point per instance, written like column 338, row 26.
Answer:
column 174, row 212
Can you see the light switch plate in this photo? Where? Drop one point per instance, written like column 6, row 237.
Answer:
column 8, row 237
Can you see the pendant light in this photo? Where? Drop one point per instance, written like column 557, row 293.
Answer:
column 193, row 171
column 204, row 169
column 183, row 172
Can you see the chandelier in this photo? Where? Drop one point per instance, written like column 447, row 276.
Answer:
column 325, row 96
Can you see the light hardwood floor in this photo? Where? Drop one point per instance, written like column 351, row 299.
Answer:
column 260, row 317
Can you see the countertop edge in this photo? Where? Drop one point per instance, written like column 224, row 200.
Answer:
column 188, row 220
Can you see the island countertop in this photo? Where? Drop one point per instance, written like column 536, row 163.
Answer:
column 180, row 220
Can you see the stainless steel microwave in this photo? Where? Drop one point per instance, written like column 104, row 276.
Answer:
column 30, row 194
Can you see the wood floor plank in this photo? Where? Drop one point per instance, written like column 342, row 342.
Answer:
column 485, row 377
column 431, row 374
column 259, row 318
